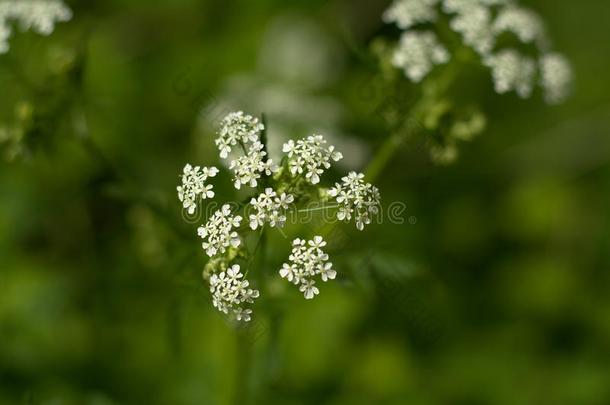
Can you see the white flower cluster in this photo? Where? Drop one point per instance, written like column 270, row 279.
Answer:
column 237, row 128
column 244, row 130
column 480, row 23
column 270, row 208
column 556, row 77
column 418, row 53
column 512, row 72
column 218, row 233
column 524, row 23
column 310, row 156
column 307, row 261
column 356, row 199
column 193, row 186
column 230, row 291
column 407, row 13
column 305, row 160
column 37, row 15
column 249, row 168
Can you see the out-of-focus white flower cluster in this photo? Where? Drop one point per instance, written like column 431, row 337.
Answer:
column 417, row 53
column 223, row 234
column 270, row 208
column 194, row 187
column 307, row 261
column 230, row 291
column 310, row 156
column 36, row 15
column 480, row 23
column 356, row 199
column 218, row 233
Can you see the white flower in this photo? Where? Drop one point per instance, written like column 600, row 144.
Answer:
column 407, row 13
column 194, row 187
column 37, row 15
column 309, row 289
column 230, row 292
column 310, row 156
column 556, row 77
column 249, row 168
column 237, row 128
column 512, row 72
column 218, row 233
column 524, row 23
column 474, row 24
column 270, row 208
column 417, row 53
column 356, row 199
column 307, row 261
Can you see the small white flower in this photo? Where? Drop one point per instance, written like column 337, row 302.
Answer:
column 310, row 156
column 249, row 168
column 218, row 233
column 407, row 13
column 417, row 53
column 556, row 77
column 356, row 199
column 309, row 289
column 308, row 260
column 524, row 23
column 270, row 208
column 37, row 15
column 237, row 128
column 193, row 186
column 229, row 291
column 512, row 72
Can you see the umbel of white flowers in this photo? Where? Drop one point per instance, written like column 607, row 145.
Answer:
column 480, row 23
column 37, row 15
column 240, row 142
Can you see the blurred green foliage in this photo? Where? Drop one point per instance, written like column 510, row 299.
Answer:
column 493, row 290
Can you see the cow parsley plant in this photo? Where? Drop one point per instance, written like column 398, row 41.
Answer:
column 233, row 233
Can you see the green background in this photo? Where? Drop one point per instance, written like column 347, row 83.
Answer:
column 494, row 289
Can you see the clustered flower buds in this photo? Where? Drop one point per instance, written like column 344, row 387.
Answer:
column 218, row 233
column 194, row 186
column 310, row 156
column 223, row 240
column 306, row 262
column 37, row 15
column 480, row 23
column 270, row 208
column 356, row 199
column 230, row 291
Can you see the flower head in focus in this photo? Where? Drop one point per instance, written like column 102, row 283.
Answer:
column 218, row 233
column 194, row 186
column 356, row 199
column 310, row 156
column 237, row 129
column 230, row 292
column 249, row 168
column 270, row 208
column 307, row 261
